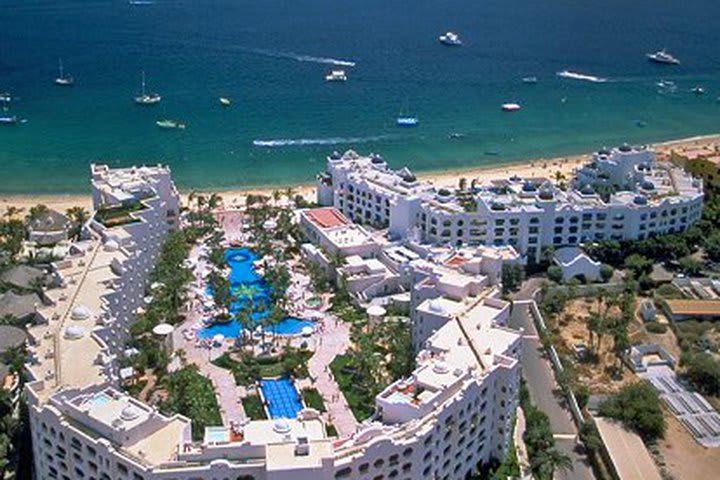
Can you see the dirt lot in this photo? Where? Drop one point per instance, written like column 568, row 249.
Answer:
column 684, row 457
column 572, row 329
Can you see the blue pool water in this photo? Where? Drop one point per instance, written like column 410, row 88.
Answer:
column 247, row 285
column 283, row 399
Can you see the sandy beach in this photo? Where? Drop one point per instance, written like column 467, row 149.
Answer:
column 548, row 168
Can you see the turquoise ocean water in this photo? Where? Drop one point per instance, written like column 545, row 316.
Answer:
column 271, row 56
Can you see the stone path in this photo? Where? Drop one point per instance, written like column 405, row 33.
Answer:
column 335, row 340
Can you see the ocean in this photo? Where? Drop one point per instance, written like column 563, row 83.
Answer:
column 271, row 57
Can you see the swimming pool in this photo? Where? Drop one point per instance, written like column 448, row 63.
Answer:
column 282, row 398
column 246, row 284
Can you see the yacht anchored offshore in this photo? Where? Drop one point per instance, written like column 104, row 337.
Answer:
column 453, row 412
column 663, row 57
column 450, row 39
column 336, row 76
column 649, row 198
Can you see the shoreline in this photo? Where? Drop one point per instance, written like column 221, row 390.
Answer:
column 545, row 167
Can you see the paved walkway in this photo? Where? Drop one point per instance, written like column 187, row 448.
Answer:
column 335, row 340
column 545, row 393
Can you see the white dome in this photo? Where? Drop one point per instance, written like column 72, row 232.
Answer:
column 81, row 312
column 74, row 332
column 111, row 245
column 441, row 368
column 129, row 413
column 436, row 306
column 281, row 426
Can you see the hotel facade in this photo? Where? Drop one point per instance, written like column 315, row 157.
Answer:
column 621, row 194
column 454, row 412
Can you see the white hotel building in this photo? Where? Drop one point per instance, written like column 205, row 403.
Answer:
column 648, row 199
column 453, row 412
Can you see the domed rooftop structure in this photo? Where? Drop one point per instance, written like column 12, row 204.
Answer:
column 74, row 332
column 529, row 187
column 647, row 185
column 406, row 175
column 515, row 178
column 111, row 245
column 587, row 189
column 546, row 194
column 335, row 155
column 376, row 159
column 436, row 306
column 441, row 368
column 625, row 148
column 497, row 206
column 281, row 426
column 640, row 200
column 81, row 312
column 129, row 413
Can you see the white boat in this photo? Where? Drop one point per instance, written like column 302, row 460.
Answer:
column 510, row 107
column 6, row 97
column 171, row 124
column 450, row 39
column 147, row 98
column 530, row 80
column 698, row 90
column 336, row 76
column 580, row 76
column 8, row 120
column 662, row 57
column 62, row 79
column 407, row 121
column 225, row 102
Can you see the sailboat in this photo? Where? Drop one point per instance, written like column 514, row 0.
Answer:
column 62, row 79
column 147, row 98
column 404, row 120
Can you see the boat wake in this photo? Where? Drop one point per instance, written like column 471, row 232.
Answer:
column 301, row 58
column 581, row 76
column 306, row 142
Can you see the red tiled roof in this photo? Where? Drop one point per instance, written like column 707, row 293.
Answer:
column 327, row 217
column 456, row 260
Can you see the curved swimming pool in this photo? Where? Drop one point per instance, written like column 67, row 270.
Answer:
column 246, row 284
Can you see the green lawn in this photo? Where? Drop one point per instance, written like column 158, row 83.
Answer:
column 254, row 408
column 331, row 430
column 361, row 402
column 250, row 368
column 313, row 399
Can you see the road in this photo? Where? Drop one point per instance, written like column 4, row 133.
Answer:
column 544, row 393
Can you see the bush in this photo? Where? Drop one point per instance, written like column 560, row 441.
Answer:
column 703, row 372
column 554, row 273
column 313, row 399
column 637, row 406
column 654, row 327
column 606, row 272
column 191, row 394
column 254, row 408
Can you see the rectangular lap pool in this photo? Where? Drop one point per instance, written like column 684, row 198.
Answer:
column 281, row 397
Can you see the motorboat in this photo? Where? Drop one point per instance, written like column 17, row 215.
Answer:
column 8, row 120
column 456, row 135
column 662, row 57
column 530, row 80
column 407, row 121
column 6, row 97
column 171, row 124
column 336, row 76
column 147, row 98
column 510, row 107
column 450, row 39
column 698, row 90
column 225, row 102
column 63, row 80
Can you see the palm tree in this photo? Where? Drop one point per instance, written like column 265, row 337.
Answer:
column 289, row 193
column 12, row 211
column 214, row 201
column 545, row 462
column 37, row 211
column 79, row 217
column 276, row 195
column 462, row 183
